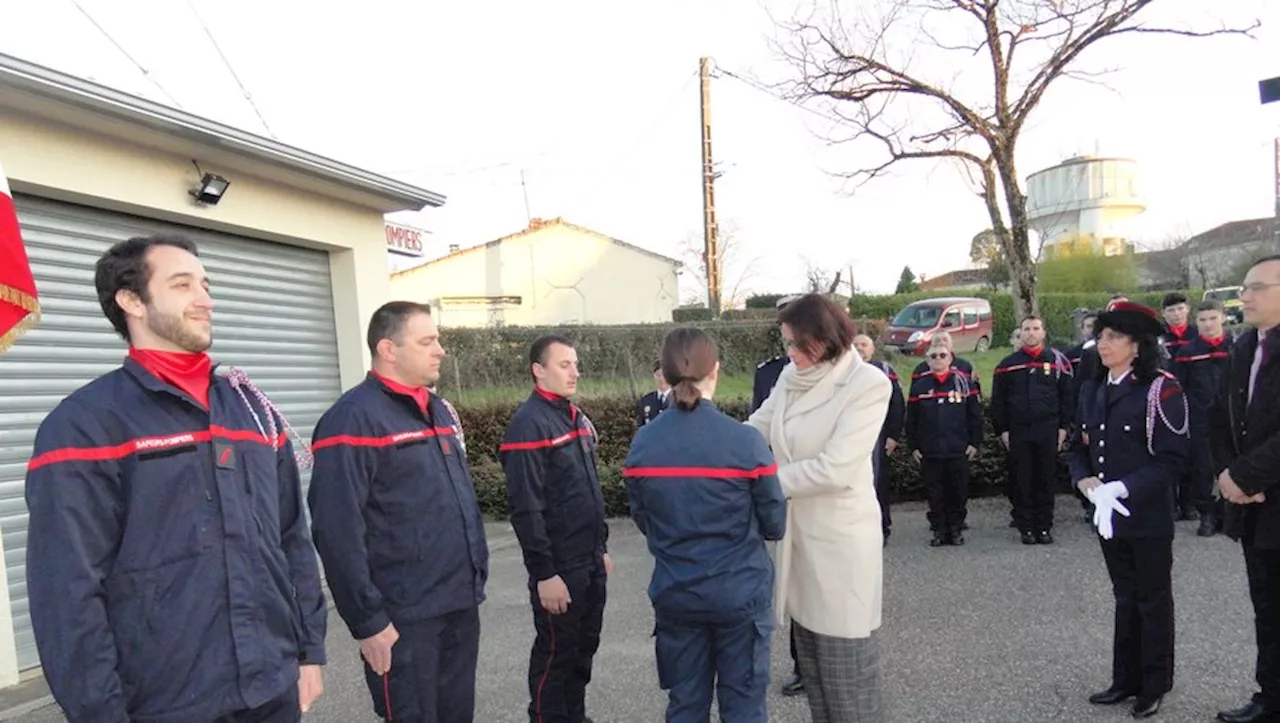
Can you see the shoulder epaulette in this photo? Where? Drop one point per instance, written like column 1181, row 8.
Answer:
column 767, row 362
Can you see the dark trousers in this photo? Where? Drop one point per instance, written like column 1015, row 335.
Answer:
column 1035, row 465
column 946, row 482
column 1195, row 492
column 1141, row 570
column 433, row 671
column 795, row 661
column 729, row 660
column 564, row 647
column 880, row 468
column 1263, row 569
column 281, row 710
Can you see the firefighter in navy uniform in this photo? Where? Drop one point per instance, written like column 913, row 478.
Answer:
column 557, row 510
column 944, row 431
column 890, row 433
column 652, row 404
column 169, row 565
column 1128, row 450
column 396, row 523
column 766, row 376
column 1030, row 411
column 1178, row 331
column 958, row 364
column 704, row 491
column 1199, row 366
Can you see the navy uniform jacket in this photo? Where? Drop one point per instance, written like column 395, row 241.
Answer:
column 1174, row 344
column 1114, row 443
column 894, row 418
column 393, row 510
column 1084, row 365
column 553, row 488
column 767, row 373
column 961, row 366
column 1031, row 391
column 649, row 406
column 944, row 416
column 704, row 490
column 169, row 568
column 1246, row 438
column 1199, row 366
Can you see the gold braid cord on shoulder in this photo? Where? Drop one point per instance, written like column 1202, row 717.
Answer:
column 24, row 301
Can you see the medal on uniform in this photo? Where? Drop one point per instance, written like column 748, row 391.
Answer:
column 1048, row 366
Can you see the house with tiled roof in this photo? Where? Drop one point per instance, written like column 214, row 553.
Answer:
column 1219, row 256
column 551, row 273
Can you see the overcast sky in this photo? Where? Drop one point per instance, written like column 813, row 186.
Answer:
column 597, row 103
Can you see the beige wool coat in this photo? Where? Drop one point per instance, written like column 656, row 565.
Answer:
column 829, row 563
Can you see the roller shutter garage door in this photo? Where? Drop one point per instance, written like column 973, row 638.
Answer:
column 273, row 317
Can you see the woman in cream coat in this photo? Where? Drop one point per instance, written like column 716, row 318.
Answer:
column 822, row 421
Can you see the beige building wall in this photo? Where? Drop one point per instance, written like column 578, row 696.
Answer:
column 557, row 274
column 56, row 159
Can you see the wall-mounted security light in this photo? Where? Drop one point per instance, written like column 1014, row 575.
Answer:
column 211, row 189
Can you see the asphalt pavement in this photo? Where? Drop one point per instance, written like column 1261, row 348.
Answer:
column 993, row 631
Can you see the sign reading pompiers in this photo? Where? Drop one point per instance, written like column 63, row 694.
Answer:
column 406, row 240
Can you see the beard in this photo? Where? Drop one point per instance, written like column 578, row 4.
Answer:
column 170, row 327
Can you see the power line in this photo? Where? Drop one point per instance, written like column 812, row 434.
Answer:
column 145, row 73
column 230, row 69
column 756, row 85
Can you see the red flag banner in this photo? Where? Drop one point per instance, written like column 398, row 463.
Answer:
column 19, row 303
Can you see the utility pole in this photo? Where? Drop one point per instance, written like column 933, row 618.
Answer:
column 711, row 246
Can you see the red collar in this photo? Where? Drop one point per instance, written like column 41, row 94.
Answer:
column 421, row 395
column 553, row 397
column 189, row 372
column 943, row 377
column 1033, row 352
column 1179, row 331
column 1215, row 341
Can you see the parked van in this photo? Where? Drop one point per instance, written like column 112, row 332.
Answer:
column 968, row 320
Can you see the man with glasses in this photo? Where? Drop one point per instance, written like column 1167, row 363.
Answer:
column 1245, row 428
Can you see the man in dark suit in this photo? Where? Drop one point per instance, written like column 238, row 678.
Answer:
column 651, row 404
column 1245, row 434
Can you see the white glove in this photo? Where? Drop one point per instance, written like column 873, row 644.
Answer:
column 1105, row 503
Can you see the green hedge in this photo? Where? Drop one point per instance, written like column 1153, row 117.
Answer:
column 498, row 356
column 613, row 419
column 1054, row 308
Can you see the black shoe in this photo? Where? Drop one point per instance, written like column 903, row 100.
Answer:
column 1111, row 696
column 1252, row 712
column 1206, row 528
column 939, row 539
column 957, row 537
column 964, row 525
column 793, row 687
column 1044, row 538
column 1028, row 537
column 1146, row 707
column 1187, row 516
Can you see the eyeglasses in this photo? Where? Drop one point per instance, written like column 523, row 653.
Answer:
column 1257, row 286
column 942, row 355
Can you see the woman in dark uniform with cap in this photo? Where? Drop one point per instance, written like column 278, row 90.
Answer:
column 1130, row 449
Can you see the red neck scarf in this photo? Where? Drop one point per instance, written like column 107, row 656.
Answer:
column 418, row 394
column 1033, row 351
column 553, row 397
column 1215, row 341
column 943, row 377
column 187, row 371
column 1178, row 331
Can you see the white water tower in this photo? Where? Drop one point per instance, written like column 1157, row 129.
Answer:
column 1085, row 198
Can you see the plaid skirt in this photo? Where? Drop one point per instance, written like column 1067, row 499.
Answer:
column 841, row 677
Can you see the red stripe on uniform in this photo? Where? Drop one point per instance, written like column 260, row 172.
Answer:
column 717, row 472
column 542, row 443
column 350, row 440
column 147, row 444
column 940, row 395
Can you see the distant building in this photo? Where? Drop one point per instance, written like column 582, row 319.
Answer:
column 550, row 274
column 1084, row 201
column 1218, row 256
column 959, row 279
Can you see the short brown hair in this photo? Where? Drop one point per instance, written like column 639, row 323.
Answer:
column 689, row 355
column 820, row 325
column 1209, row 305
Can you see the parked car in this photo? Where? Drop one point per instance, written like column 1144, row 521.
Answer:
column 968, row 320
column 1229, row 297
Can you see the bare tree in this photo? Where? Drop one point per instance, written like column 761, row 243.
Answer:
column 818, row 279
column 737, row 268
column 860, row 68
